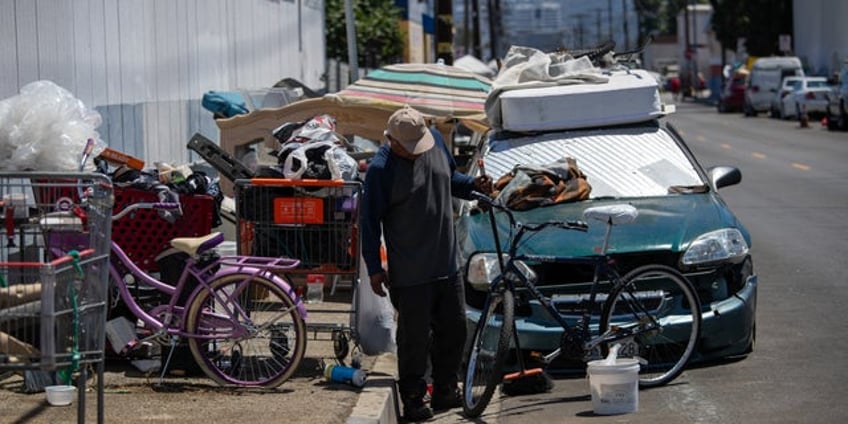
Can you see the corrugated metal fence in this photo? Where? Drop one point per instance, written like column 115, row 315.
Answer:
column 145, row 64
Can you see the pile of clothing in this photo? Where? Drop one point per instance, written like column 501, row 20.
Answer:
column 312, row 149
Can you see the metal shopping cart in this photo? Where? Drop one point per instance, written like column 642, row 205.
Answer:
column 311, row 220
column 54, row 257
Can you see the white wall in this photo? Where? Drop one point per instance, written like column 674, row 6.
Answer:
column 145, row 64
column 821, row 34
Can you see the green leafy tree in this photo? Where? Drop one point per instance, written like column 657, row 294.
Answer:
column 379, row 39
column 760, row 22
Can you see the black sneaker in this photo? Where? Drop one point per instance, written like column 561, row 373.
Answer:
column 446, row 399
column 417, row 413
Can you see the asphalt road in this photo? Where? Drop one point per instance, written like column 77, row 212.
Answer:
column 794, row 200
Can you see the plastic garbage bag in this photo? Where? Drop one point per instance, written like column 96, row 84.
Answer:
column 375, row 318
column 46, row 128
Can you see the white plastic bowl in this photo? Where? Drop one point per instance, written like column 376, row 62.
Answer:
column 60, row 395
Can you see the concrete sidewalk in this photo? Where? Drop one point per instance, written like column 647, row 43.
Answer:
column 378, row 401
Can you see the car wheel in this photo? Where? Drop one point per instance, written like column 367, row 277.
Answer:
column 832, row 121
column 842, row 121
column 773, row 112
column 749, row 111
column 753, row 342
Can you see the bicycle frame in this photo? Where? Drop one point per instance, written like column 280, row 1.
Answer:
column 602, row 265
column 232, row 265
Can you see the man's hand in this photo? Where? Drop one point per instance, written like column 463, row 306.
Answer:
column 379, row 280
column 483, row 184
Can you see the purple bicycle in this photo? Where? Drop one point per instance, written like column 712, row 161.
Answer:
column 244, row 324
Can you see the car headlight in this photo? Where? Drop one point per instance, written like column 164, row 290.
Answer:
column 717, row 246
column 484, row 267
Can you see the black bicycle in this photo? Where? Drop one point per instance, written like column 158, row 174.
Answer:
column 653, row 311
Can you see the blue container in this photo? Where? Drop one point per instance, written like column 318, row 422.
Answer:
column 343, row 374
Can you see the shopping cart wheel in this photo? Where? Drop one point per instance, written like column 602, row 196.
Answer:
column 341, row 345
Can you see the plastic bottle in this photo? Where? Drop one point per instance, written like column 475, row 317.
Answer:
column 343, row 374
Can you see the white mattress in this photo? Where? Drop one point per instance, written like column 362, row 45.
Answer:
column 628, row 96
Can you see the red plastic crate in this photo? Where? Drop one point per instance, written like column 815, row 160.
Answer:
column 143, row 235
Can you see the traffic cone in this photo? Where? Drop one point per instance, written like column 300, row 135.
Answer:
column 805, row 120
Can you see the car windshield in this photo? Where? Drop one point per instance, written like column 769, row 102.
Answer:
column 618, row 162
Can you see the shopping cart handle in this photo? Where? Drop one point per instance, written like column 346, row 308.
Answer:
column 146, row 205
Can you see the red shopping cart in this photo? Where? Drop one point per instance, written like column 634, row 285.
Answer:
column 310, row 220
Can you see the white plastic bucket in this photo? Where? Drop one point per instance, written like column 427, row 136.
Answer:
column 614, row 387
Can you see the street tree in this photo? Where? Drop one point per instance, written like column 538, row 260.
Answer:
column 379, row 38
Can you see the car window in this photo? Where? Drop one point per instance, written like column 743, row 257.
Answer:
column 618, row 162
column 816, row 83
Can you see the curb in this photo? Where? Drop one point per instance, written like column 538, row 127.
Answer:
column 378, row 400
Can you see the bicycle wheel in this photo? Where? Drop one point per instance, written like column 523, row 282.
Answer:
column 484, row 358
column 248, row 332
column 659, row 306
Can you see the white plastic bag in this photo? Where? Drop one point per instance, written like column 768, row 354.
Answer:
column 46, row 128
column 333, row 161
column 374, row 319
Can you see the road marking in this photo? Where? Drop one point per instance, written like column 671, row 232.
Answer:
column 725, row 146
column 800, row 166
column 758, row 155
column 700, row 138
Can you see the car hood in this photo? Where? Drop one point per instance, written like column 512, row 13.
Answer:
column 668, row 223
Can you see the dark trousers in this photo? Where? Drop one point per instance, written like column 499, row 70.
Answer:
column 431, row 324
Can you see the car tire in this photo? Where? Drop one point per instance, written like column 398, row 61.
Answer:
column 842, row 121
column 749, row 111
column 832, row 121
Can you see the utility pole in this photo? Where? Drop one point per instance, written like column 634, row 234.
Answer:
column 497, row 29
column 598, row 26
column 466, row 30
column 444, row 31
column 686, row 82
column 580, row 30
column 490, row 7
column 624, row 17
column 352, row 57
column 475, row 40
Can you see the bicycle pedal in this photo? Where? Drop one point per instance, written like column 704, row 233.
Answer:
column 520, row 374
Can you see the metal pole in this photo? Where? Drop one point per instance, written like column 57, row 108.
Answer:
column 624, row 17
column 352, row 57
column 466, row 30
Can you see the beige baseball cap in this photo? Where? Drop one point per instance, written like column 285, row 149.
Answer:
column 408, row 127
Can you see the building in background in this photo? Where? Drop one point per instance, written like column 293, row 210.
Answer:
column 820, row 36
column 145, row 65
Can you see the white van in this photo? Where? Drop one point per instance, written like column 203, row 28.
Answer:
column 765, row 78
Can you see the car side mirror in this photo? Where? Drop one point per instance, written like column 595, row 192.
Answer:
column 723, row 176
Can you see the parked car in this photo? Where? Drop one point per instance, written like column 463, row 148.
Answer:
column 732, row 96
column 808, row 94
column 786, row 87
column 837, row 107
column 643, row 162
column 765, row 79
